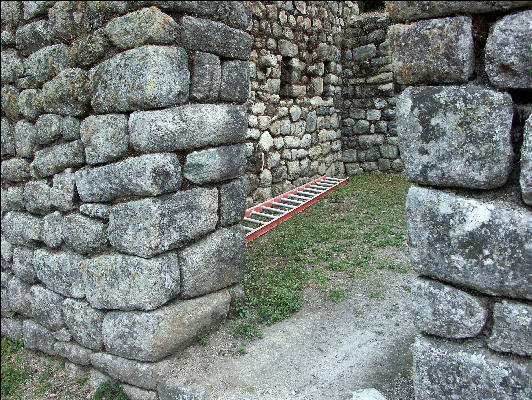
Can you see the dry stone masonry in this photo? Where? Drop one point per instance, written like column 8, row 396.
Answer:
column 463, row 70
column 123, row 155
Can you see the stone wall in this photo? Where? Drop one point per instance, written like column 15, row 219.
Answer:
column 369, row 133
column 464, row 70
column 296, row 78
column 123, row 155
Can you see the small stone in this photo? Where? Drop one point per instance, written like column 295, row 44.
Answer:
column 36, row 337
column 368, row 394
column 135, row 393
column 90, row 49
column 48, row 127
column 19, row 296
column 63, row 190
column 25, row 138
column 46, row 307
column 83, row 234
column 12, row 67
column 525, row 180
column 73, row 352
column 10, row 107
column 364, row 52
column 96, row 210
column 215, row 165
column 233, row 202
column 21, row 228
column 84, row 323
column 13, row 199
column 235, row 81
column 52, row 229
column 51, row 160
column 35, row 8
column 104, row 137
column 33, row 36
column 169, row 390
column 70, row 128
column 265, row 142
column 8, row 141
column 61, row 272
column 29, row 103
column 22, row 265
column 47, row 62
column 67, row 93
column 206, row 77
column 512, row 328
column 37, row 197
column 12, row 329
column 288, row 49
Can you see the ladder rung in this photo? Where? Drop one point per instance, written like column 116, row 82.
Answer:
column 313, row 190
column 333, row 179
column 273, row 209
column 255, row 221
column 281, row 204
column 291, row 201
column 308, row 194
column 324, row 185
column 263, row 215
column 317, row 188
column 248, row 229
column 295, row 196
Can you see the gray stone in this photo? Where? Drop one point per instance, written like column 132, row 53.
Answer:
column 206, row 77
column 133, row 372
column 12, row 67
column 67, row 93
column 235, row 81
column 444, row 311
column 512, row 328
column 152, row 226
column 361, row 126
column 73, row 352
column 455, row 136
column 145, row 26
column 147, row 175
column 51, row 160
column 62, row 335
column 19, row 296
column 142, row 78
column 135, row 393
column 389, row 151
column 434, row 51
column 21, row 228
column 328, row 53
column 132, row 283
column 29, row 103
column 474, row 243
column 412, row 10
column 48, row 128
column 215, row 165
column 47, row 62
column 36, row 337
column 25, row 137
column 22, row 265
column 70, row 128
column 46, row 307
column 177, row 128
column 9, row 99
column 448, row 370
column 265, row 143
column 287, row 48
column 83, row 234
column 52, row 229
column 13, row 199
column 525, row 179
column 8, row 142
column 84, row 323
column 233, row 202
column 5, row 310
column 104, row 137
column 349, row 155
column 96, row 378
column 215, row 37
column 368, row 394
column 91, row 48
column 63, row 191
column 136, row 334
column 364, row 52
column 12, row 329
column 7, row 253
column 37, row 197
column 61, row 272
column 36, row 8
column 171, row 390
column 96, row 210
column 33, row 36
column 213, row 263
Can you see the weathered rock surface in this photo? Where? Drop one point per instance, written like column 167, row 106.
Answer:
column 152, row 226
column 235, row 81
column 213, row 263
column 19, row 296
column 21, row 228
column 433, row 51
column 177, row 128
column 73, row 352
column 61, row 272
column 512, row 328
column 233, row 202
column 51, row 160
column 37, row 197
column 36, row 337
column 48, row 128
column 62, row 193
column 104, row 137
column 15, row 169
column 526, row 163
column 508, row 54
column 132, row 283
column 47, row 62
column 137, row 335
column 133, row 372
column 214, row 165
column 474, row 243
column 22, row 265
column 446, row 370
column 141, row 78
column 147, row 175
column 46, row 307
column 84, row 323
column 455, row 136
column 52, row 229
column 83, row 234
column 206, row 77
column 67, row 94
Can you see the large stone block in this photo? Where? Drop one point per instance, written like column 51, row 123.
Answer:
column 83, row 234
column 215, row 165
column 46, row 307
column 215, row 37
column 455, row 136
column 133, row 372
column 61, row 272
column 19, row 296
column 141, row 78
column 15, row 169
column 445, row 311
column 512, row 328
column 132, row 283
column 412, row 10
column 48, row 128
column 145, row 26
column 47, row 62
column 187, row 127
column 233, row 202
column 37, row 337
column 21, row 228
column 73, row 352
column 84, row 323
column 52, row 229
column 30, row 104
column 147, row 175
column 12, row 67
column 508, row 52
column 481, row 244
column 51, row 160
column 206, row 77
column 105, row 137
column 137, row 335
column 33, row 36
column 37, row 197
column 235, row 81
column 213, row 263
column 433, row 51
column 526, row 163
column 22, row 265
column 67, row 94
column 152, row 226
column 448, row 370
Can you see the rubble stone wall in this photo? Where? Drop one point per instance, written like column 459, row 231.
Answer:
column 464, row 73
column 294, row 104
column 123, row 155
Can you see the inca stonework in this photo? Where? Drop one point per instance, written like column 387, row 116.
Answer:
column 464, row 80
column 133, row 134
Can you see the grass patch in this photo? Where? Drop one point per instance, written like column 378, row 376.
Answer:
column 110, row 390
column 339, row 236
column 13, row 374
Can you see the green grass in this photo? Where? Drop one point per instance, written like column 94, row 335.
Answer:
column 13, row 375
column 338, row 235
column 110, row 390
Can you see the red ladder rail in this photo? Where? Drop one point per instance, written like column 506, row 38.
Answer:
column 272, row 212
